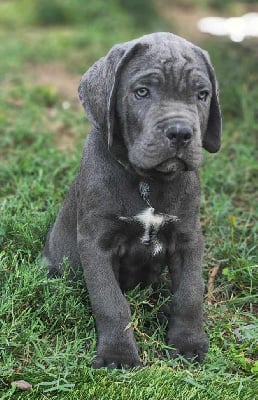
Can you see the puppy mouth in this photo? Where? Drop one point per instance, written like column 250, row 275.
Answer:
column 171, row 166
column 167, row 169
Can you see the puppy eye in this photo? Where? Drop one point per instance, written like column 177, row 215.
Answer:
column 141, row 93
column 202, row 95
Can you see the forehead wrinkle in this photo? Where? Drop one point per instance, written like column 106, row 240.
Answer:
column 156, row 75
column 183, row 73
column 176, row 72
column 201, row 77
column 173, row 67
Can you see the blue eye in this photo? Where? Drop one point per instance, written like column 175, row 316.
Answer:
column 202, row 95
column 141, row 93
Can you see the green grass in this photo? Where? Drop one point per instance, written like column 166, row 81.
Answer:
column 47, row 334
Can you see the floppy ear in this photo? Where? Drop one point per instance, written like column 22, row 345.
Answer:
column 212, row 137
column 97, row 88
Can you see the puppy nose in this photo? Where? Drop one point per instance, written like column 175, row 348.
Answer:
column 179, row 134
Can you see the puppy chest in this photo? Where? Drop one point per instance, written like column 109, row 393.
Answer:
column 141, row 258
column 147, row 230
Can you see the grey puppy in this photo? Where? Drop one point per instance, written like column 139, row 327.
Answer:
column 133, row 208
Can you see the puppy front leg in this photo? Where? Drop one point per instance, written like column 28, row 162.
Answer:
column 116, row 345
column 186, row 333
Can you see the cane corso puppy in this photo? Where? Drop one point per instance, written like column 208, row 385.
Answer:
column 133, row 208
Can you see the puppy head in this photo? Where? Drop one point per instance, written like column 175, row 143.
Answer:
column 157, row 94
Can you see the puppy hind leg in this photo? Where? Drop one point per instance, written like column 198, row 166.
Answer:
column 60, row 252
column 61, row 243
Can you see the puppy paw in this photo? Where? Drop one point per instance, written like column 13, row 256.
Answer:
column 193, row 346
column 117, row 356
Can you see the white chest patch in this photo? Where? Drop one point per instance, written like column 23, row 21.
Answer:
column 149, row 219
column 151, row 223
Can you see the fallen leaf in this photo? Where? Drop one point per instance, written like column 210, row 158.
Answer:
column 22, row 385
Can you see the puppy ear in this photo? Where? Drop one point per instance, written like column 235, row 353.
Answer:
column 97, row 88
column 212, row 137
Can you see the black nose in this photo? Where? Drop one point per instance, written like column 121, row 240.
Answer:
column 179, row 134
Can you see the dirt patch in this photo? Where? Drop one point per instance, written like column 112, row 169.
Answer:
column 64, row 135
column 65, row 84
column 184, row 20
column 57, row 76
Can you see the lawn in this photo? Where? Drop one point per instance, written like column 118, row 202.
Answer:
column 47, row 334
